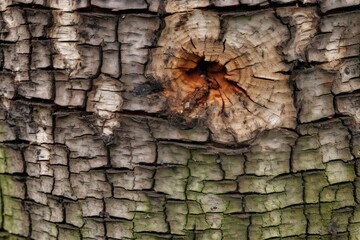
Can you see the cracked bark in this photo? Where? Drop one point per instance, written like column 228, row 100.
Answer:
column 179, row 119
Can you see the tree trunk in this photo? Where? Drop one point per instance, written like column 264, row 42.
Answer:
column 180, row 119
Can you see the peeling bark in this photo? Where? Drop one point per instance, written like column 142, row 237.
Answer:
column 179, row 119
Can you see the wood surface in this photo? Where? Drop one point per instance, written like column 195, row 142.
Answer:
column 180, row 119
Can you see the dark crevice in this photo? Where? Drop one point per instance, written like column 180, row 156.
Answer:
column 341, row 10
column 99, row 10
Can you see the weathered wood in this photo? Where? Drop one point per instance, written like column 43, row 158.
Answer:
column 135, row 42
column 314, row 99
column 72, row 92
column 179, row 119
column 303, row 24
column 328, row 5
column 338, row 40
column 173, row 6
column 348, row 77
column 120, row 5
column 349, row 105
column 233, row 104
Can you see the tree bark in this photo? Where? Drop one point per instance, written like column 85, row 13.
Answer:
column 179, row 119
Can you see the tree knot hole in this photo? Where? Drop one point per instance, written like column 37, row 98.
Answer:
column 209, row 73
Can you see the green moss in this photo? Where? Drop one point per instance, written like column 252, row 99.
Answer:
column 191, row 195
column 268, row 219
column 314, row 184
column 255, row 203
column 11, row 237
column 214, row 220
column 93, row 229
column 195, row 184
column 12, row 186
column 356, row 146
column 268, row 163
column 194, row 207
column 357, row 189
column 189, row 235
column 120, row 229
column 2, row 159
column 308, row 129
column 255, row 232
column 69, row 233
column 292, row 195
column 172, row 181
column 16, row 220
column 173, row 154
column 318, row 223
column 212, row 203
column 252, row 184
column 279, row 223
column 209, row 235
column 345, row 195
column 176, row 216
column 307, row 160
column 233, row 165
column 328, row 194
column 301, row 237
column 327, row 237
column 1, row 215
column 150, row 222
column 217, row 187
column 293, row 222
column 342, row 218
column 155, row 203
column 202, row 156
column 354, row 230
column 151, row 236
column 206, row 170
column 338, row 171
column 73, row 214
column 197, row 222
column 307, row 142
column 235, row 227
column 270, row 232
column 234, row 203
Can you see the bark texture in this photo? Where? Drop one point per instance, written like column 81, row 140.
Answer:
column 180, row 119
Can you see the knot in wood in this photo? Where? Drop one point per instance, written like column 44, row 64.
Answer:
column 207, row 77
column 222, row 78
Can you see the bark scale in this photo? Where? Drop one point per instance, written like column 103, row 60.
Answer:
column 179, row 119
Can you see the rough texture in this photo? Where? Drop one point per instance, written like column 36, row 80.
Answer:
column 221, row 76
column 179, row 119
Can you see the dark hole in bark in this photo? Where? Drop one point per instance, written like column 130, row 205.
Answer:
column 205, row 67
column 209, row 71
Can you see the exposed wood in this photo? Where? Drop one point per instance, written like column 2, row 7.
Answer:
column 179, row 119
column 221, row 80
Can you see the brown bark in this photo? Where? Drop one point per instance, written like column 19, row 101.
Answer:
column 179, row 119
